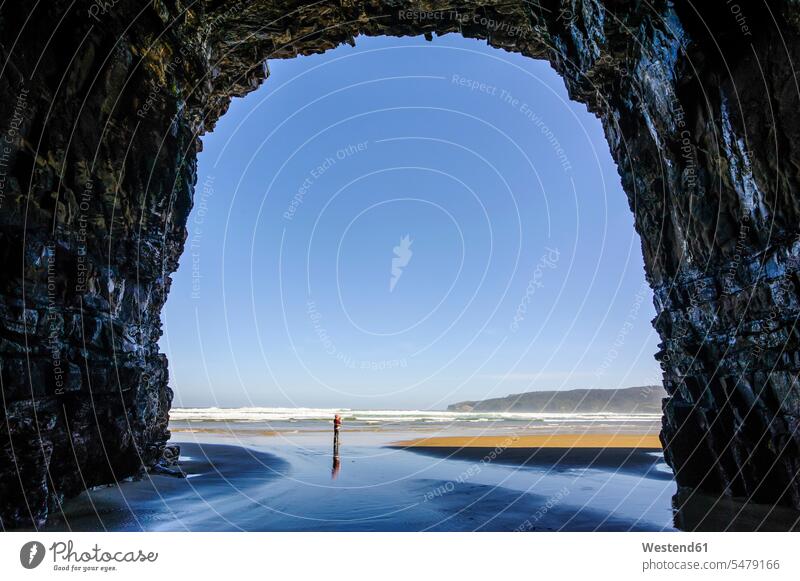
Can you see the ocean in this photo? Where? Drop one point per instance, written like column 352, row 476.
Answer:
column 394, row 420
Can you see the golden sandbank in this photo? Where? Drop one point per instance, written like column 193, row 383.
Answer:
column 648, row 441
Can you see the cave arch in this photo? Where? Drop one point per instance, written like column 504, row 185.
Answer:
column 104, row 104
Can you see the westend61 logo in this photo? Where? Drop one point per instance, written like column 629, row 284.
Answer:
column 66, row 558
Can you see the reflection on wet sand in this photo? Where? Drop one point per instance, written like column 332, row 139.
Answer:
column 336, row 461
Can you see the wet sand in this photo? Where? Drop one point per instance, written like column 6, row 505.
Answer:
column 246, row 481
column 376, row 488
column 696, row 511
column 221, row 482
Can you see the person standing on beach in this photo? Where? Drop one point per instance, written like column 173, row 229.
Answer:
column 337, row 423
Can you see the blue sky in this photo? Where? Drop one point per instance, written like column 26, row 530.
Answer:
column 406, row 224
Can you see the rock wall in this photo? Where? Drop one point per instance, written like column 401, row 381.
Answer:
column 102, row 106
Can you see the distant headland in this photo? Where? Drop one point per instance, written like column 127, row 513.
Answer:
column 644, row 399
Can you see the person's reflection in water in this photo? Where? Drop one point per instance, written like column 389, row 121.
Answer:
column 337, row 423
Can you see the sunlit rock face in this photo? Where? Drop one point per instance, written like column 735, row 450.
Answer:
column 102, row 108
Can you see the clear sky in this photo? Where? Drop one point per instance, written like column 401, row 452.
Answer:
column 403, row 225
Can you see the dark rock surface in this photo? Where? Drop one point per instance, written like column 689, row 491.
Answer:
column 102, row 104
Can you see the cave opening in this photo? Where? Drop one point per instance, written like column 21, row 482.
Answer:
column 698, row 117
column 405, row 224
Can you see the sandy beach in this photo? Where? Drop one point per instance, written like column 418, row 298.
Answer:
column 633, row 454
column 566, row 441
column 414, row 475
column 234, row 487
column 395, row 473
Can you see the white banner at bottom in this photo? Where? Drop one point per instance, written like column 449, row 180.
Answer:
column 356, row 556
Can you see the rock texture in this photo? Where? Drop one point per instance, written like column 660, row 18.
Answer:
column 102, row 105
